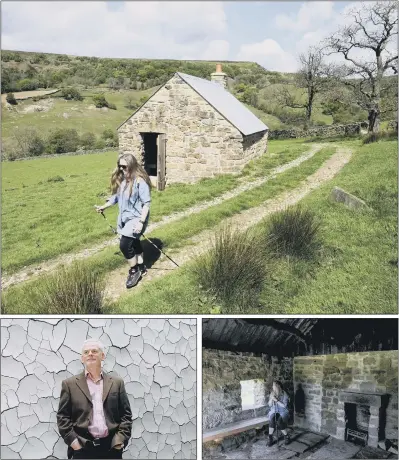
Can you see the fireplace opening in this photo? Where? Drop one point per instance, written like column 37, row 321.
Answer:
column 357, row 417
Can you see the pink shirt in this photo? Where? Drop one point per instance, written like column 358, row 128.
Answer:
column 97, row 426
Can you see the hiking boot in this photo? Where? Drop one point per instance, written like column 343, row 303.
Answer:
column 143, row 269
column 270, row 441
column 287, row 439
column 133, row 277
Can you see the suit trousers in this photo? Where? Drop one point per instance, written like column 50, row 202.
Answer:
column 97, row 453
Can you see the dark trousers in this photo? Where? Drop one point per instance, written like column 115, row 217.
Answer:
column 281, row 423
column 97, row 453
column 130, row 246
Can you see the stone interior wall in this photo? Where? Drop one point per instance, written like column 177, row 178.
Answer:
column 156, row 359
column 200, row 141
column 222, row 372
column 322, row 131
column 323, row 377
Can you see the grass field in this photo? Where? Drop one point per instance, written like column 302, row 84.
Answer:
column 177, row 234
column 354, row 272
column 80, row 116
column 47, row 203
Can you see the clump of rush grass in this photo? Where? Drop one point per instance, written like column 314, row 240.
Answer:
column 234, row 270
column 294, row 232
column 72, row 290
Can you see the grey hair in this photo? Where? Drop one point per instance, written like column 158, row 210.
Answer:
column 96, row 341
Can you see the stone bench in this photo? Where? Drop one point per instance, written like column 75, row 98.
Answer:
column 234, row 428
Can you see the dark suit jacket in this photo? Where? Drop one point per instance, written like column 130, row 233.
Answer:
column 75, row 409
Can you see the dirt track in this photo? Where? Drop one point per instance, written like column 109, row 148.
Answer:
column 202, row 242
column 48, row 266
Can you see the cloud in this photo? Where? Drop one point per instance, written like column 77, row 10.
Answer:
column 134, row 29
column 309, row 14
column 216, row 50
column 269, row 54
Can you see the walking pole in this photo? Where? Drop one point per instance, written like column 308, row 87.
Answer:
column 275, row 422
column 159, row 249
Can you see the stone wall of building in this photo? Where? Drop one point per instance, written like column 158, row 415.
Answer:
column 222, row 372
column 200, row 141
column 324, row 377
column 156, row 359
column 317, row 131
column 255, row 145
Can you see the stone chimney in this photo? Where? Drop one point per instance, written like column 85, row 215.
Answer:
column 219, row 76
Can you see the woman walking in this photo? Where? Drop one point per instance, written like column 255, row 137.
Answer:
column 279, row 413
column 131, row 188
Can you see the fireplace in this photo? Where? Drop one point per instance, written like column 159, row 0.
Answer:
column 361, row 417
column 357, row 418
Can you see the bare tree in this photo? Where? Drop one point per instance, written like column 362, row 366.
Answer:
column 372, row 32
column 312, row 78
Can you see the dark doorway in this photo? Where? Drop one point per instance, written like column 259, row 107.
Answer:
column 150, row 153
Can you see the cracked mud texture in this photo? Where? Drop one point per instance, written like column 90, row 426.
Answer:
column 156, row 358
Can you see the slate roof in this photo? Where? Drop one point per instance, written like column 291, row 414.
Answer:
column 226, row 104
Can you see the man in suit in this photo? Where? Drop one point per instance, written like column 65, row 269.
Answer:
column 94, row 416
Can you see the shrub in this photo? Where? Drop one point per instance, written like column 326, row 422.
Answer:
column 130, row 102
column 25, row 142
column 71, row 94
column 111, row 106
column 100, row 144
column 88, row 140
column 10, row 98
column 233, row 271
column 294, row 232
column 112, row 142
column 100, row 101
column 71, row 290
column 110, row 137
column 380, row 136
column 108, row 133
column 27, row 84
column 62, row 141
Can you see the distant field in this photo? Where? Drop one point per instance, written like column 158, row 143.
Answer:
column 79, row 115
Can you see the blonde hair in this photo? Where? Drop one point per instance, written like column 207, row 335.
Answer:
column 134, row 169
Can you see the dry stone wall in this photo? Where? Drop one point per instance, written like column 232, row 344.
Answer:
column 221, row 375
column 156, row 359
column 324, row 377
column 321, row 131
column 200, row 141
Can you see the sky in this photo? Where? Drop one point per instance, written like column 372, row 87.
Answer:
column 269, row 33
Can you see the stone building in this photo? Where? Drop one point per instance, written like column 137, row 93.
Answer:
column 192, row 128
column 341, row 376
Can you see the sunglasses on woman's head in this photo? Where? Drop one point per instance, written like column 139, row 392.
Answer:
column 122, row 167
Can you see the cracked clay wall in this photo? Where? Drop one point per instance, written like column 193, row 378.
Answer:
column 155, row 357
